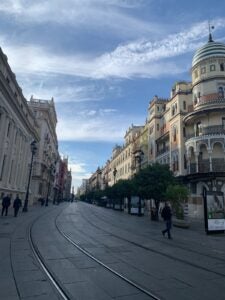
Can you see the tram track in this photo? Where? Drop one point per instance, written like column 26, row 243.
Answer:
column 175, row 258
column 177, row 246
column 54, row 281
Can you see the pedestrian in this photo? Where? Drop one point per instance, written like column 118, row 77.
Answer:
column 16, row 205
column 5, row 205
column 167, row 216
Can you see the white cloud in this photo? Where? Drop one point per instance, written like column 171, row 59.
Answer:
column 141, row 58
column 61, row 88
column 93, row 124
column 95, row 14
column 79, row 172
column 97, row 129
column 77, row 167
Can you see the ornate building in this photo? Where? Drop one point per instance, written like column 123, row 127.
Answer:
column 46, row 158
column 185, row 131
column 205, row 127
column 18, row 129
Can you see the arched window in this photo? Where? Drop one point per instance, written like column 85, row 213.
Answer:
column 221, row 92
column 195, row 100
column 198, row 128
column 174, row 133
column 185, row 162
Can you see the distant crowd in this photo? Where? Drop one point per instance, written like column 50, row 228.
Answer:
column 17, row 203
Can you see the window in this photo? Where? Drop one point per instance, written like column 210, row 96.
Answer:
column 222, row 67
column 8, row 130
column 212, row 67
column 174, row 109
column 40, row 188
column 157, row 127
column 11, row 172
column 223, row 122
column 203, row 70
column 3, row 166
column 184, row 104
column 198, row 129
column 193, row 188
column 221, row 92
column 195, row 100
column 175, row 165
column 196, row 74
column 184, row 132
column 151, row 149
column 174, row 134
column 185, row 162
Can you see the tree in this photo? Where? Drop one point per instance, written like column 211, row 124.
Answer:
column 120, row 190
column 177, row 195
column 152, row 182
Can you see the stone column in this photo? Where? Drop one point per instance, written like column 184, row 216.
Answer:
column 196, row 161
column 210, row 160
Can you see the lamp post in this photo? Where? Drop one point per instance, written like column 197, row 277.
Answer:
column 114, row 174
column 138, row 159
column 33, row 151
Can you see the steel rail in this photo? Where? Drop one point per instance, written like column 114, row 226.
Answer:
column 186, row 262
column 132, row 283
column 64, row 295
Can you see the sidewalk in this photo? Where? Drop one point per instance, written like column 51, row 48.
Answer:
column 20, row 276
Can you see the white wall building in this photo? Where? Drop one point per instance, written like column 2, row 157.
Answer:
column 18, row 129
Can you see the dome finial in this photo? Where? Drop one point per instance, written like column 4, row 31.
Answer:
column 210, row 33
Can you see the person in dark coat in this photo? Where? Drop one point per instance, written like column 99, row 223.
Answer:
column 167, row 216
column 16, row 205
column 5, row 205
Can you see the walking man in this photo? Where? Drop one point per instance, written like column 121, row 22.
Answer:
column 5, row 205
column 167, row 216
column 16, row 205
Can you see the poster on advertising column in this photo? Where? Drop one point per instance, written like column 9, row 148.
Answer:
column 215, row 211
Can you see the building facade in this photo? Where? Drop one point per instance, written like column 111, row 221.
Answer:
column 205, row 128
column 18, row 129
column 30, row 164
column 45, row 160
column 185, row 131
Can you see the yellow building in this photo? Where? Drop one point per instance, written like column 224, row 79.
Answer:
column 185, row 131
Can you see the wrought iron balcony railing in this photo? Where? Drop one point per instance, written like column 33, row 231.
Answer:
column 218, row 165
column 162, row 151
column 209, row 130
column 204, row 100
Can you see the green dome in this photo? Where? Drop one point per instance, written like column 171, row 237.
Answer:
column 211, row 49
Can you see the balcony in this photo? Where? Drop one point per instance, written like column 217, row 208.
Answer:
column 210, row 99
column 162, row 151
column 218, row 165
column 209, row 130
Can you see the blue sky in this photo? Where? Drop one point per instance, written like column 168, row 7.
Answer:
column 102, row 61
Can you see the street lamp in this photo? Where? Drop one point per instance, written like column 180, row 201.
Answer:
column 114, row 174
column 138, row 158
column 33, row 148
